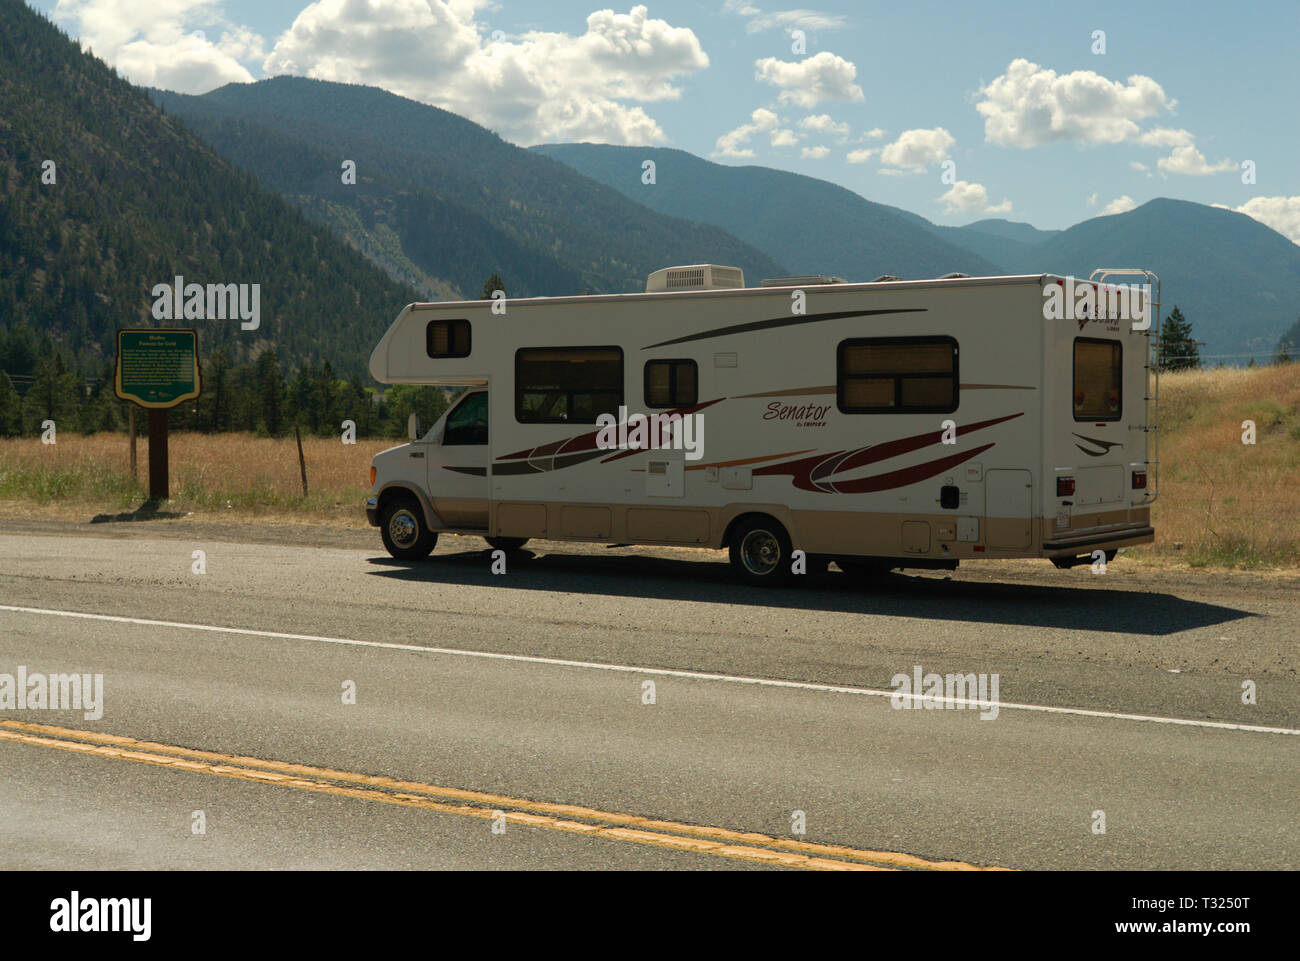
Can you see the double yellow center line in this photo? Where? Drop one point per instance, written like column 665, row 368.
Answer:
column 570, row 818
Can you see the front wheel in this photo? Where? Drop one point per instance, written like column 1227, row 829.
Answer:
column 760, row 552
column 406, row 535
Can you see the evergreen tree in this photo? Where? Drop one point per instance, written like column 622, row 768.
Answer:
column 1178, row 350
column 492, row 284
column 270, row 392
column 11, row 412
column 1289, row 345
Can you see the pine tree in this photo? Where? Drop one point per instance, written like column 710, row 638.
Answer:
column 270, row 389
column 492, row 284
column 1178, row 350
column 11, row 413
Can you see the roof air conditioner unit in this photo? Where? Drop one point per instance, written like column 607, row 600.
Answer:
column 695, row 277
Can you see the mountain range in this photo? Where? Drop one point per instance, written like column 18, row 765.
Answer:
column 254, row 183
column 1236, row 279
column 441, row 202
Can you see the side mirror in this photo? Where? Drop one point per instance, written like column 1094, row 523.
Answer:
column 413, row 426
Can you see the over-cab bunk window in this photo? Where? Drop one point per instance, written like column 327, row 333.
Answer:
column 567, row 385
column 1098, row 381
column 897, row 375
column 447, row 338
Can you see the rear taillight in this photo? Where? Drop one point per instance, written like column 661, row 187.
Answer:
column 372, row 477
column 1139, row 480
column 1065, row 487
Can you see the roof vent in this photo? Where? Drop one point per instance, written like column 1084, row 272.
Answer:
column 953, row 276
column 883, row 278
column 695, row 277
column 803, row 280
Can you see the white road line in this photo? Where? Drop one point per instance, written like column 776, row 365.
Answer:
column 657, row 671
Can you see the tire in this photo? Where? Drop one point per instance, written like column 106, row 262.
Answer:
column 507, row 544
column 760, row 552
column 406, row 535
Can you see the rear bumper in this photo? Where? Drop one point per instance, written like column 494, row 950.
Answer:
column 372, row 511
column 1098, row 541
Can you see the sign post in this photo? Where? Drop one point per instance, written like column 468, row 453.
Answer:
column 157, row 369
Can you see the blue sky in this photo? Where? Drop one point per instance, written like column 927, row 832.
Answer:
column 957, row 112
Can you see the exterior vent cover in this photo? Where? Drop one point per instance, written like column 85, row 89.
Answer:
column 695, row 277
column 804, row 280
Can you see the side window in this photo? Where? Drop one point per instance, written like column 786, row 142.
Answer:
column 468, row 423
column 567, row 385
column 897, row 375
column 1098, row 380
column 447, row 338
column 671, row 383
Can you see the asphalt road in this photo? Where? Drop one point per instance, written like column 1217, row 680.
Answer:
column 545, row 754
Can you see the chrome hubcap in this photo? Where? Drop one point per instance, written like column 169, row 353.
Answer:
column 403, row 529
column 761, row 552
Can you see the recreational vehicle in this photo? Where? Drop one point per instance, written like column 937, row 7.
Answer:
column 878, row 425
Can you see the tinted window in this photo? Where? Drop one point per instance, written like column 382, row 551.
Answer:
column 1098, row 365
column 671, row 383
column 897, row 375
column 567, row 385
column 468, row 423
column 447, row 338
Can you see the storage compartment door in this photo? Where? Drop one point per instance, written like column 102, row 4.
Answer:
column 1008, row 500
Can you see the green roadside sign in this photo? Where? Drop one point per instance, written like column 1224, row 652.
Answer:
column 157, row 368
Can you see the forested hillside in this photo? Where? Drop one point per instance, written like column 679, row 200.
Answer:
column 439, row 199
column 104, row 196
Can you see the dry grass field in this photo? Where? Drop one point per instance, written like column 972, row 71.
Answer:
column 214, row 476
column 1223, row 504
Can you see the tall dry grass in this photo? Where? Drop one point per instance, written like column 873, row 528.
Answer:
column 1222, row 503
column 229, row 474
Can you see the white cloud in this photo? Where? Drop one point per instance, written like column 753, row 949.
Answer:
column 860, row 156
column 1092, row 200
column 824, row 123
column 735, row 143
column 1119, row 205
column 1190, row 161
column 914, row 150
column 1138, row 166
column 535, row 87
column 1280, row 213
column 182, row 45
column 968, row 197
column 1029, row 106
column 814, row 153
column 1165, row 137
column 806, row 83
column 782, row 19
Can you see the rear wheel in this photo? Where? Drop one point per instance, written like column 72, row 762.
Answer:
column 507, row 544
column 406, row 535
column 760, row 552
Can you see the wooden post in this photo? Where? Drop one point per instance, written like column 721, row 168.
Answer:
column 158, row 454
column 135, row 476
column 302, row 464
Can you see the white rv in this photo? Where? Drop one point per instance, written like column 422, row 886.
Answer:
column 879, row 425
